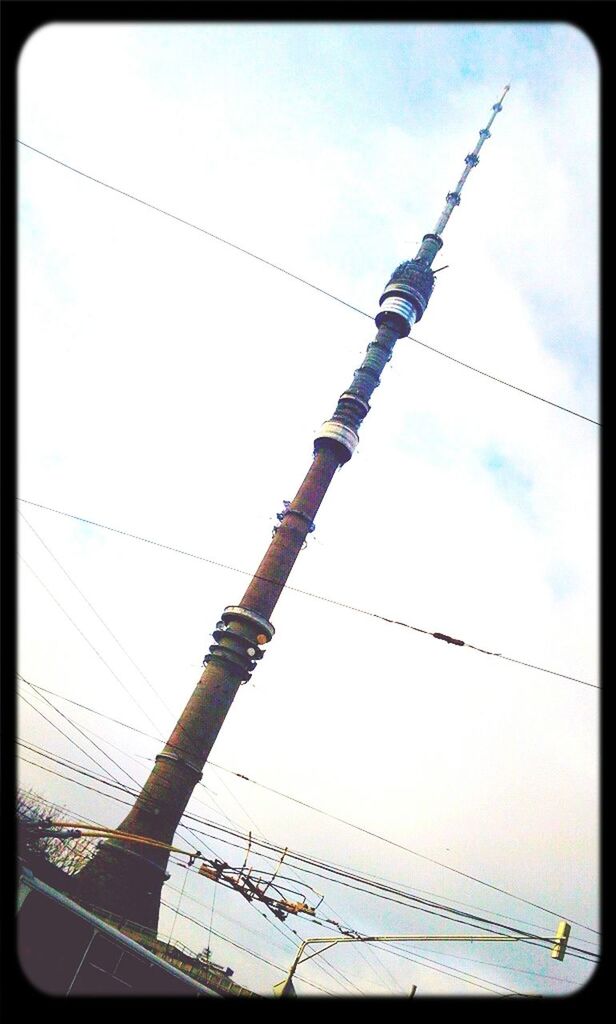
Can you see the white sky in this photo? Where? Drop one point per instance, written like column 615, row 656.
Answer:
column 170, row 387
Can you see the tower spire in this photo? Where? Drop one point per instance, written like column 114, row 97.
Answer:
column 471, row 160
column 408, row 290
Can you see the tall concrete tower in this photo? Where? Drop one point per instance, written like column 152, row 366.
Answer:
column 126, row 877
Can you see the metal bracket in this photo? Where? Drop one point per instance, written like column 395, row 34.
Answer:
column 180, row 760
column 287, row 511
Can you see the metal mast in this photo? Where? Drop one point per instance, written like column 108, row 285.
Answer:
column 126, row 877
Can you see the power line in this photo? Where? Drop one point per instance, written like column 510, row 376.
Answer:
column 272, row 923
column 111, row 633
column 100, row 714
column 77, row 768
column 74, row 742
column 83, row 785
column 455, row 972
column 225, row 938
column 296, row 277
column 337, row 875
column 328, row 815
column 378, row 889
column 190, row 224
column 401, row 954
column 307, row 593
column 407, row 849
column 270, row 788
column 393, row 950
column 483, row 373
column 89, row 643
column 99, row 655
column 491, row 963
column 383, row 891
column 439, row 970
column 206, row 906
column 93, row 609
column 126, row 726
column 278, row 792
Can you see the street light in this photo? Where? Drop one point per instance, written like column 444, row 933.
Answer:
column 286, row 988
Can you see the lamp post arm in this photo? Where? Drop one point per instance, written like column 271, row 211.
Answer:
column 328, row 942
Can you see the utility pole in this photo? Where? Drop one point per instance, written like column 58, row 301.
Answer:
column 127, row 878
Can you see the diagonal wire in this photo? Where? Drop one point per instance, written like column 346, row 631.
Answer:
column 318, row 597
column 296, row 277
column 89, row 643
column 327, row 814
column 93, row 609
column 33, row 706
column 386, row 892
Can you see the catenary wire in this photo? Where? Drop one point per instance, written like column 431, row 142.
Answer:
column 93, row 609
column 439, row 969
column 296, row 277
column 75, row 726
column 483, row 373
column 425, row 961
column 74, row 767
column 253, row 822
column 224, row 938
column 319, row 597
column 234, row 920
column 114, row 637
column 416, row 902
column 378, row 889
column 99, row 655
column 397, row 950
column 198, row 836
column 358, row 949
column 410, row 902
column 102, row 621
column 118, row 722
column 528, row 665
column 514, row 970
column 75, row 742
column 279, row 268
column 460, row 975
column 326, row 814
column 260, row 831
column 89, row 643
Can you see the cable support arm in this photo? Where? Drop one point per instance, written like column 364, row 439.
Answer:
column 559, row 942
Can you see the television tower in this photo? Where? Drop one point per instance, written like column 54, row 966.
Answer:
column 126, row 877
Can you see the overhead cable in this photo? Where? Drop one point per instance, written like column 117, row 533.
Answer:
column 327, row 814
column 373, row 887
column 296, row 277
column 318, row 597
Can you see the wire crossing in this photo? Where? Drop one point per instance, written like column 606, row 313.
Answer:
column 318, row 597
column 289, row 273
